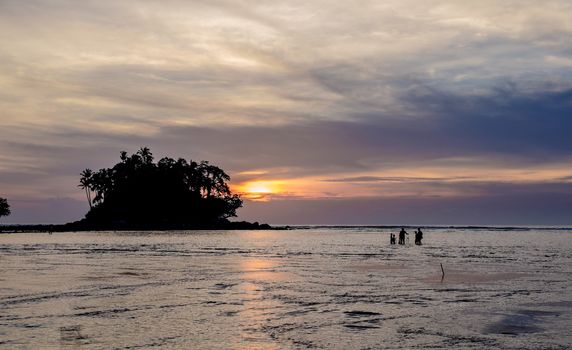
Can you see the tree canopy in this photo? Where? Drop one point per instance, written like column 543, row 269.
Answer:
column 138, row 191
column 4, row 207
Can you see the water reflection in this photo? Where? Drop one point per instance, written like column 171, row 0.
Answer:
column 257, row 275
column 260, row 269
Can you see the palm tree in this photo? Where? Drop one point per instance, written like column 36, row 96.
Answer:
column 146, row 155
column 102, row 184
column 85, row 183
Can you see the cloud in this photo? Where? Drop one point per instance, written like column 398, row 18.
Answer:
column 516, row 126
column 392, row 93
column 504, row 209
column 394, row 179
column 452, row 131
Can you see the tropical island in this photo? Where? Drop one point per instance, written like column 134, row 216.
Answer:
column 140, row 194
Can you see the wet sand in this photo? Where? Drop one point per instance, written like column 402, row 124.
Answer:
column 319, row 289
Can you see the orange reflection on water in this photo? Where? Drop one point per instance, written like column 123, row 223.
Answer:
column 256, row 264
column 256, row 234
column 259, row 269
column 256, row 274
column 259, row 345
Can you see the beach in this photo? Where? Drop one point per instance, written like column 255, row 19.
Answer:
column 317, row 287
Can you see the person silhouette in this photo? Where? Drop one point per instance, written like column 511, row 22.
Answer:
column 418, row 236
column 391, row 238
column 402, row 234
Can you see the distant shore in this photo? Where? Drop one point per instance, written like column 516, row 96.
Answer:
column 244, row 225
column 82, row 226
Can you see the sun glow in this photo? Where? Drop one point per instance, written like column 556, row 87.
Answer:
column 258, row 187
column 259, row 190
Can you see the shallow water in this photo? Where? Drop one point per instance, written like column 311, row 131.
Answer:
column 338, row 288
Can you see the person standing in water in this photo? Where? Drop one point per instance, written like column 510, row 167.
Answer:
column 402, row 234
column 418, row 236
column 391, row 238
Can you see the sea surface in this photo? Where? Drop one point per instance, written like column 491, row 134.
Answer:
column 312, row 288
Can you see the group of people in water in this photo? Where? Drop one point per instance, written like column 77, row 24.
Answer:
column 402, row 233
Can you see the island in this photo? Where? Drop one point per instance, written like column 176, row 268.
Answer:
column 138, row 193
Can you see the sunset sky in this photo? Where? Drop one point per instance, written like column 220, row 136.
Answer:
column 323, row 112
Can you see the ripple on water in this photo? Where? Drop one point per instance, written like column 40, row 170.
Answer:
column 323, row 289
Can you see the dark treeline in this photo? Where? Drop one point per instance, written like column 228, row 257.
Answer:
column 139, row 193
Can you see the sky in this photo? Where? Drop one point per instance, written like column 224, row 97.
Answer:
column 323, row 112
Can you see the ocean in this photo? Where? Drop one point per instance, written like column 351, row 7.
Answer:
column 306, row 288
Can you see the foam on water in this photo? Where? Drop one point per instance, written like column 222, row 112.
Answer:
column 322, row 288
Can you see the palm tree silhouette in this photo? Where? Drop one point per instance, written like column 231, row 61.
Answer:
column 85, row 183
